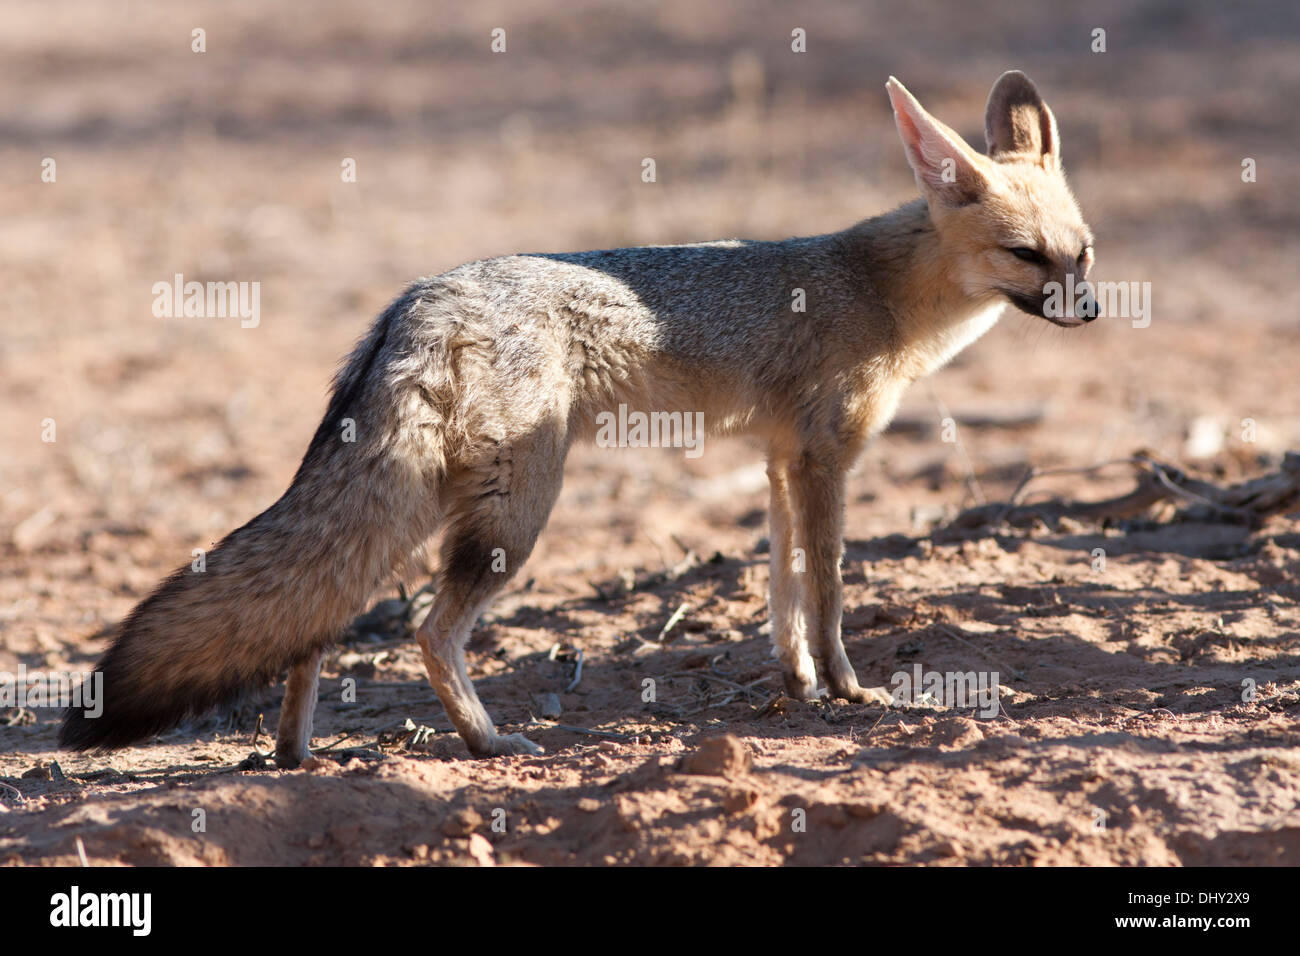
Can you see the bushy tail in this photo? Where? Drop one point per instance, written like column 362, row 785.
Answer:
column 284, row 584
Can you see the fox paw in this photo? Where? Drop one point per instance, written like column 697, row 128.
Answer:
column 864, row 695
column 291, row 759
column 504, row 745
column 800, row 684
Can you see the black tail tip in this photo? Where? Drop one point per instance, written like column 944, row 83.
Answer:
column 79, row 732
column 132, row 720
column 101, row 733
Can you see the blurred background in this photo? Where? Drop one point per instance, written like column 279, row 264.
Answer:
column 226, row 165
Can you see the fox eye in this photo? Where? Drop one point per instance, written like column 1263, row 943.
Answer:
column 1084, row 253
column 1027, row 254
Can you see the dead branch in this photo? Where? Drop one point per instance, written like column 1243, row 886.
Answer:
column 1249, row 502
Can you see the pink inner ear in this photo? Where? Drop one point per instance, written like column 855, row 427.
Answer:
column 927, row 149
column 910, row 135
column 908, row 131
column 923, row 161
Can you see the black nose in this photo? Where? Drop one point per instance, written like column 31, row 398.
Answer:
column 1087, row 307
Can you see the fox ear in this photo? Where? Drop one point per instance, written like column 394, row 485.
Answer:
column 946, row 168
column 1017, row 120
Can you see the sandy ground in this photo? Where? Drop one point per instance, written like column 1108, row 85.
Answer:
column 1127, row 731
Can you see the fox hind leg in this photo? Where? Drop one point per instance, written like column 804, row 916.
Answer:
column 442, row 639
column 495, row 518
column 293, row 735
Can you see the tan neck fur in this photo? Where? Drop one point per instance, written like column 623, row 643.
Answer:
column 905, row 260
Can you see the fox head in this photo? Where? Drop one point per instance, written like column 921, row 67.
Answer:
column 1007, row 222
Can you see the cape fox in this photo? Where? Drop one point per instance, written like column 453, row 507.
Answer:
column 462, row 400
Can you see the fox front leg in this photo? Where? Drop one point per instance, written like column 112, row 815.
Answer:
column 818, row 495
column 789, row 637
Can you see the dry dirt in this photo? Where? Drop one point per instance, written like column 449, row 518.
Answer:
column 1126, row 733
